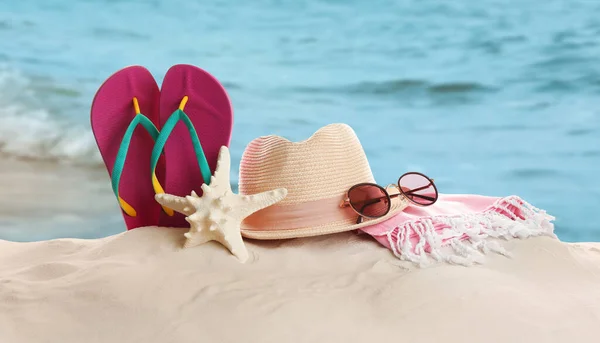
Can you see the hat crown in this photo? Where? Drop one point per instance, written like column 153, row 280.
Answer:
column 324, row 166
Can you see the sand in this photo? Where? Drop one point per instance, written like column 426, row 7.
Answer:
column 41, row 200
column 139, row 286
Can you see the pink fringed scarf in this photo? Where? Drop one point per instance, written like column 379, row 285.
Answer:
column 457, row 227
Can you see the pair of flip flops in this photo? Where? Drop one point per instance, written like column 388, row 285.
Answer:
column 160, row 140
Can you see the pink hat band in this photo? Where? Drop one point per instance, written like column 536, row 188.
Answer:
column 301, row 215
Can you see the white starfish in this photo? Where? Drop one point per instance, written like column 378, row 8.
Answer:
column 218, row 213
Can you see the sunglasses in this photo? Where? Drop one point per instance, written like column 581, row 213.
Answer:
column 370, row 200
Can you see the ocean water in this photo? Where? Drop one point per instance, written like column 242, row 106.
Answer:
column 489, row 97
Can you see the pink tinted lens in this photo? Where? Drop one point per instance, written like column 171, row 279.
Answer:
column 418, row 189
column 369, row 200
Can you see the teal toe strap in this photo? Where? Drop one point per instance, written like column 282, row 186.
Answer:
column 117, row 170
column 165, row 132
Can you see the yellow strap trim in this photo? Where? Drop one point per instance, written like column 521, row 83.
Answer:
column 183, row 102
column 128, row 209
column 136, row 106
column 159, row 190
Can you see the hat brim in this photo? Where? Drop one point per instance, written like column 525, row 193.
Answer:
column 335, row 227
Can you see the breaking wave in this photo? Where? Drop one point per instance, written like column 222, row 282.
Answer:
column 28, row 130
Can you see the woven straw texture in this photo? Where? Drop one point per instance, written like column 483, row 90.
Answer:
column 324, row 166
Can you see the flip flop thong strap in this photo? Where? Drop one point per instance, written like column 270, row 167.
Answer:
column 117, row 170
column 165, row 132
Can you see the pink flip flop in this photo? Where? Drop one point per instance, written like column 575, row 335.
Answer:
column 116, row 114
column 196, row 119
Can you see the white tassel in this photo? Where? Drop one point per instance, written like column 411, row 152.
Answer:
column 465, row 240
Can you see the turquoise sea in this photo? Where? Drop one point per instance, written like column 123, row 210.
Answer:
column 490, row 97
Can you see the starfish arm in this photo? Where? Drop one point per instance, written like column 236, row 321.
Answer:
column 220, row 180
column 252, row 203
column 236, row 246
column 217, row 214
column 196, row 238
column 175, row 203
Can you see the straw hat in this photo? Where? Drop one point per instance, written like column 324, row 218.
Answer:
column 317, row 173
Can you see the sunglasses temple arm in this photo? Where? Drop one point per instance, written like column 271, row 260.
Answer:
column 423, row 197
column 360, row 217
column 369, row 203
column 413, row 195
column 417, row 189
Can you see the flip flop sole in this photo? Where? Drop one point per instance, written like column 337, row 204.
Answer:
column 210, row 110
column 111, row 114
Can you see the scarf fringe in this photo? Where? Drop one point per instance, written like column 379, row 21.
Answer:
column 465, row 239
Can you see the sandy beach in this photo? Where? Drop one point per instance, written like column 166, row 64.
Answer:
column 139, row 286
column 484, row 98
column 47, row 199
